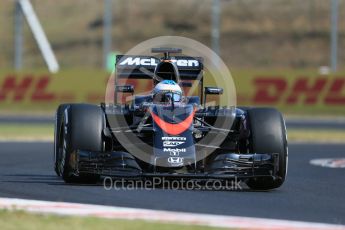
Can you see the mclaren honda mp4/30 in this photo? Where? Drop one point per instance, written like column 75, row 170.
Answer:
column 168, row 134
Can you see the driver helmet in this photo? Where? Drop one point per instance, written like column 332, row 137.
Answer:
column 167, row 91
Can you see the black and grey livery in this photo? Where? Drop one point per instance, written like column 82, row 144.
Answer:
column 215, row 142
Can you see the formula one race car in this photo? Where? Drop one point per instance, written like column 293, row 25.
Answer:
column 168, row 134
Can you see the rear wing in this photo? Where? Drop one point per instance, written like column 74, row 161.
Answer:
column 142, row 67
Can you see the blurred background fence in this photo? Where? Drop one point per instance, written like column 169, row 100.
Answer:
column 253, row 33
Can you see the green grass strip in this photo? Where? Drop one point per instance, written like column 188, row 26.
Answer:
column 13, row 220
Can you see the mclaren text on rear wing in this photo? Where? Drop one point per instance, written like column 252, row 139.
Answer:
column 142, row 67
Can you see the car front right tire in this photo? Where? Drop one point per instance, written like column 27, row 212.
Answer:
column 268, row 135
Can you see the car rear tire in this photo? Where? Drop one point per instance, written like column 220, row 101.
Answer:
column 268, row 135
column 81, row 129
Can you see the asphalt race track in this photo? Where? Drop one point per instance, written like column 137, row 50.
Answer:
column 311, row 193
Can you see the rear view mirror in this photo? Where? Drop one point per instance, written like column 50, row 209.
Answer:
column 125, row 88
column 213, row 90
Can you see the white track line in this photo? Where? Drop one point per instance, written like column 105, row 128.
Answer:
column 75, row 209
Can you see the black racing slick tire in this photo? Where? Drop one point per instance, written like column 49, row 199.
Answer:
column 81, row 129
column 57, row 133
column 268, row 135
